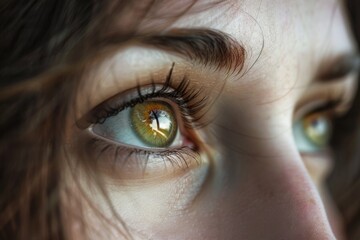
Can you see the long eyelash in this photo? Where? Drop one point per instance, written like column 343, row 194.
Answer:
column 186, row 99
column 180, row 158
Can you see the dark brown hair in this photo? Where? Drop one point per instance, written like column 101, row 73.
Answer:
column 41, row 39
column 344, row 183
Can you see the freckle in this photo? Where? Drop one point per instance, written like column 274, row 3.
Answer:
column 312, row 201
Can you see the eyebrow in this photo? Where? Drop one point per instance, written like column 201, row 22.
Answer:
column 218, row 49
column 339, row 67
column 205, row 46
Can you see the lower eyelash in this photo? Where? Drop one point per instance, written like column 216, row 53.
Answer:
column 190, row 106
column 118, row 156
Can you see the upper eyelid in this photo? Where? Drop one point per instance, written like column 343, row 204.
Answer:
column 204, row 46
column 181, row 93
column 118, row 107
column 328, row 106
column 115, row 103
column 140, row 96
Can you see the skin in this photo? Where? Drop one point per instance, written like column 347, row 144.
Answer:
column 252, row 183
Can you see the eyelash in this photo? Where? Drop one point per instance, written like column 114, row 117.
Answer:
column 176, row 157
column 185, row 98
column 189, row 103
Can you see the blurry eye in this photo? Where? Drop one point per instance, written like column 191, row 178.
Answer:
column 150, row 124
column 312, row 132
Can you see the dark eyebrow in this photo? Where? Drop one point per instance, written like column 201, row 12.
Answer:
column 206, row 46
column 339, row 67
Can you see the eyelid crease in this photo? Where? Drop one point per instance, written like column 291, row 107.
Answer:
column 105, row 109
column 328, row 107
column 340, row 93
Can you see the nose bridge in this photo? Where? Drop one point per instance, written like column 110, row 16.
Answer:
column 298, row 210
column 272, row 185
column 277, row 197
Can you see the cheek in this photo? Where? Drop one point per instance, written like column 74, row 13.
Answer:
column 246, row 200
column 264, row 196
column 319, row 167
column 146, row 208
column 156, row 202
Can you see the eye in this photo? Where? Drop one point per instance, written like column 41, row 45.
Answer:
column 150, row 124
column 149, row 131
column 312, row 133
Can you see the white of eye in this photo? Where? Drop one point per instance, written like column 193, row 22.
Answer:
column 119, row 129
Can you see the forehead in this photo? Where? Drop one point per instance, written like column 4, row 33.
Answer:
column 272, row 16
column 285, row 41
column 276, row 28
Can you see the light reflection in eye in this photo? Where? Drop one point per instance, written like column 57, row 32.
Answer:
column 312, row 132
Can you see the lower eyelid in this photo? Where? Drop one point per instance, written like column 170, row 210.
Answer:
column 123, row 163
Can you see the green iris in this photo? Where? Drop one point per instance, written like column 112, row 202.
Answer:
column 154, row 123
